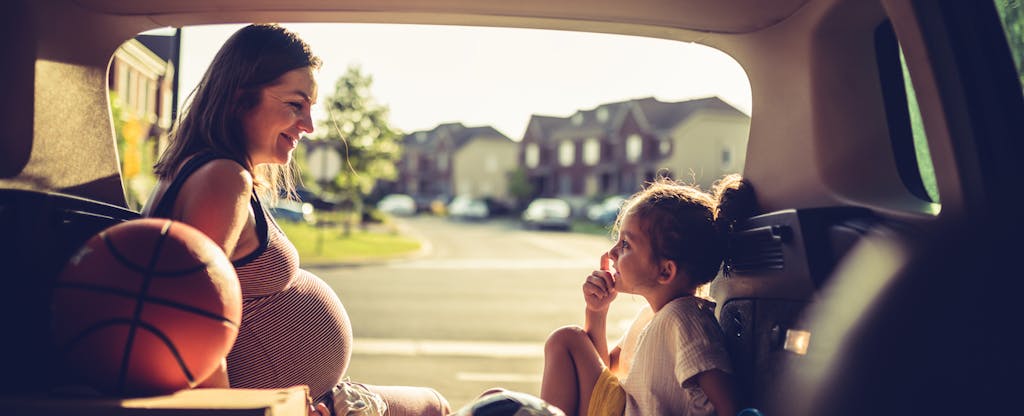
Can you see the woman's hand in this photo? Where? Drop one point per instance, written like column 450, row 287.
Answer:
column 599, row 288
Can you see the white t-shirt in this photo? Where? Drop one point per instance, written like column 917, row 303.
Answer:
column 682, row 340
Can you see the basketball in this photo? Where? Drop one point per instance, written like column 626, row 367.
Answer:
column 501, row 402
column 146, row 307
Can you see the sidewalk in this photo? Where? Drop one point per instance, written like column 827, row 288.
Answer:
column 428, row 347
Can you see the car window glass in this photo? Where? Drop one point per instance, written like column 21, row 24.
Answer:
column 903, row 116
column 1011, row 14
column 923, row 154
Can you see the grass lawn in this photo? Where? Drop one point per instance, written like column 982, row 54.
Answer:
column 325, row 245
column 589, row 227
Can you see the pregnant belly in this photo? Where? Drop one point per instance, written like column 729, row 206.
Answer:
column 300, row 335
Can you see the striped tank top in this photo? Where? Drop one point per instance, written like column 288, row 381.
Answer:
column 294, row 328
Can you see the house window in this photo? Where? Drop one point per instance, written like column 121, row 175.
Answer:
column 532, row 155
column 591, row 151
column 606, row 183
column 566, row 153
column 129, row 91
column 602, row 115
column 491, row 164
column 122, row 82
column 442, row 162
column 150, row 97
column 421, row 137
column 565, row 185
column 628, row 183
column 634, row 148
column 413, row 161
column 665, row 146
column 726, row 158
column 577, row 119
column 590, row 185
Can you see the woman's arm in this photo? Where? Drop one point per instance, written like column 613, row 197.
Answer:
column 215, row 200
column 717, row 385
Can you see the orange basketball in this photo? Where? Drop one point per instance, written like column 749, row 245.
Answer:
column 148, row 306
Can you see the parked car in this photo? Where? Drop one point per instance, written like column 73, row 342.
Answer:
column 605, row 211
column 397, row 204
column 320, row 201
column 468, row 208
column 294, row 211
column 548, row 213
column 884, row 149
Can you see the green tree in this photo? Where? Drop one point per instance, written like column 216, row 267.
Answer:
column 1012, row 14
column 520, row 186
column 359, row 127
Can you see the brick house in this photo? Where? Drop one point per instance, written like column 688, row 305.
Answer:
column 452, row 159
column 616, row 147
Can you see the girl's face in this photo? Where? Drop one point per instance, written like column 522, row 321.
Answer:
column 635, row 267
column 273, row 128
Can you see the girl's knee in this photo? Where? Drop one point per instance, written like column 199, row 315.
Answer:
column 563, row 338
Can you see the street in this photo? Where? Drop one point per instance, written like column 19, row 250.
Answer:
column 471, row 311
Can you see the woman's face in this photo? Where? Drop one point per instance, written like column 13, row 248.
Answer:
column 635, row 268
column 273, row 128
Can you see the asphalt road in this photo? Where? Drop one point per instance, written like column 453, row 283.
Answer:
column 473, row 309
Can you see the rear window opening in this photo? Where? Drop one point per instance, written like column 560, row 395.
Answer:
column 480, row 122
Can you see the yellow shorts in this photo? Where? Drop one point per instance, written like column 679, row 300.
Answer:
column 608, row 397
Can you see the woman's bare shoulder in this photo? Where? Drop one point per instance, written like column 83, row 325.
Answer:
column 223, row 175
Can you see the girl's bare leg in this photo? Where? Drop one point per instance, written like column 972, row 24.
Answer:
column 571, row 369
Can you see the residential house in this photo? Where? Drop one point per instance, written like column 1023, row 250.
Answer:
column 141, row 79
column 616, row 147
column 453, row 159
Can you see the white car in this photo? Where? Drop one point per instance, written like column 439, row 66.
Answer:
column 468, row 208
column 293, row 211
column 397, row 204
column 548, row 213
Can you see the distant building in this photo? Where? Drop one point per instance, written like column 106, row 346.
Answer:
column 452, row 159
column 616, row 147
column 141, row 77
column 141, row 80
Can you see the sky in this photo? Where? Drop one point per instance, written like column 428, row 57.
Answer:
column 499, row 77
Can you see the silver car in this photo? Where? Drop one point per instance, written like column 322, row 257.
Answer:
column 548, row 213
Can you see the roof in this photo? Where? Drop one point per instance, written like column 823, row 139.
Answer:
column 654, row 115
column 458, row 133
column 162, row 46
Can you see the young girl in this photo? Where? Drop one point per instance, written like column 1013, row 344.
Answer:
column 673, row 360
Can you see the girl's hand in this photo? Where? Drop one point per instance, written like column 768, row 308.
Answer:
column 599, row 288
column 319, row 409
